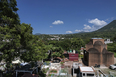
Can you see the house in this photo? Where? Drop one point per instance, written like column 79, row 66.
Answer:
column 86, row 72
column 71, row 55
column 96, row 53
column 107, row 41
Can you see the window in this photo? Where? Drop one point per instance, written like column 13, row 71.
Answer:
column 90, row 74
column 75, row 70
column 83, row 74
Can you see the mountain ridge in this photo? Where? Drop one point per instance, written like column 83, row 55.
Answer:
column 108, row 31
column 109, row 27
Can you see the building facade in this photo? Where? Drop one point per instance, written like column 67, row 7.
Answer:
column 96, row 53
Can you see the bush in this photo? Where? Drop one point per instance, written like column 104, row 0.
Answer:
column 44, row 70
column 61, row 62
column 50, row 74
column 47, row 62
column 81, row 56
column 53, row 71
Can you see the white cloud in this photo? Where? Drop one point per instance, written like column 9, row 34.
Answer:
column 86, row 27
column 78, row 30
column 97, row 22
column 51, row 26
column 68, row 31
column 58, row 22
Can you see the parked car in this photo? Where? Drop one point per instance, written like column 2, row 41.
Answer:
column 113, row 67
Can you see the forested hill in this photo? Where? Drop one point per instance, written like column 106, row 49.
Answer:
column 110, row 27
column 108, row 31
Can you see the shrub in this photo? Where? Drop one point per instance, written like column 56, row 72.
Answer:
column 50, row 74
column 53, row 71
column 44, row 70
column 47, row 62
column 61, row 62
column 114, row 54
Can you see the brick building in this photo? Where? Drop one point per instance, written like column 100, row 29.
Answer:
column 96, row 53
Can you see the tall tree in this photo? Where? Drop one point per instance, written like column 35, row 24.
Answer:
column 65, row 44
column 8, row 13
column 77, row 43
column 9, row 39
column 35, row 51
column 57, row 52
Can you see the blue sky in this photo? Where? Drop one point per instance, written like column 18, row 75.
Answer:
column 66, row 16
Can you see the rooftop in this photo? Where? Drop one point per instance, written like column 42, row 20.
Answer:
column 96, row 38
column 86, row 69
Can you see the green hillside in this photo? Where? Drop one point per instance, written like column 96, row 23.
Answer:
column 110, row 27
column 108, row 31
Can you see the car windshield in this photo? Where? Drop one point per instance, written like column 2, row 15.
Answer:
column 114, row 64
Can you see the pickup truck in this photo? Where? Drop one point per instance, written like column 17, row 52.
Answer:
column 113, row 67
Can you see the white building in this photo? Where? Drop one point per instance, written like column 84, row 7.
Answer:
column 108, row 41
column 86, row 72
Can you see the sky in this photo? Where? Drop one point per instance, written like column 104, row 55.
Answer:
column 66, row 16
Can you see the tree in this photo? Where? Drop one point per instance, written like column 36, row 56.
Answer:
column 9, row 39
column 114, row 39
column 8, row 13
column 112, row 46
column 65, row 44
column 35, row 51
column 77, row 43
column 15, row 37
column 57, row 52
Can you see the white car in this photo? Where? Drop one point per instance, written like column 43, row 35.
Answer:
column 113, row 67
